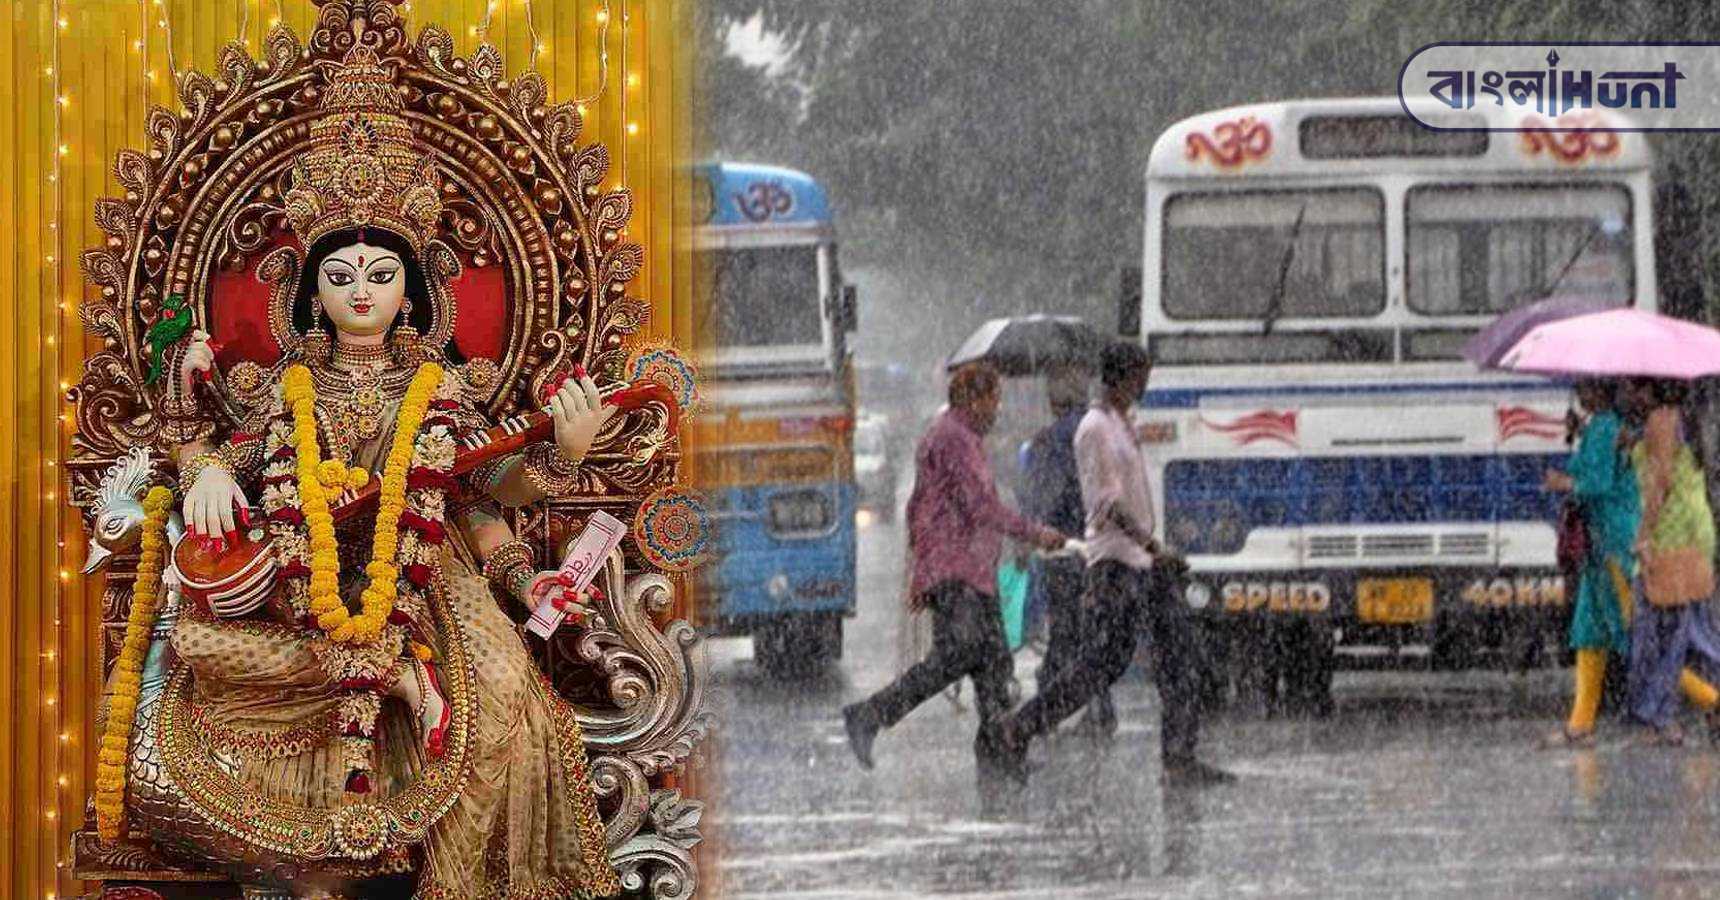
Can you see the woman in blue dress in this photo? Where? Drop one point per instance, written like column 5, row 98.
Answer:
column 1600, row 479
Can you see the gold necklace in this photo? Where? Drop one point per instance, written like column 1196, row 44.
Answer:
column 351, row 356
column 352, row 390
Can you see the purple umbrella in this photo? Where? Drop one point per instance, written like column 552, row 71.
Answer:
column 1491, row 344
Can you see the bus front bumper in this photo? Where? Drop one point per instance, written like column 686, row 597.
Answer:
column 1393, row 599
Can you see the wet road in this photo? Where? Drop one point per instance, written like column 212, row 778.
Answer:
column 1420, row 785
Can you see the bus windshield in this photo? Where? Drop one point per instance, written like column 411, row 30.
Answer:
column 1486, row 249
column 763, row 296
column 1225, row 254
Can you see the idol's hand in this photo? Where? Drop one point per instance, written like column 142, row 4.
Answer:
column 211, row 503
column 199, row 361
column 547, row 585
column 579, row 413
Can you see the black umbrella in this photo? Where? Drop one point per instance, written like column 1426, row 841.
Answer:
column 1029, row 345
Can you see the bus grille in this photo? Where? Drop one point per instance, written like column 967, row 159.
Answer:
column 1391, row 546
column 1342, row 547
column 1466, row 545
column 1333, row 546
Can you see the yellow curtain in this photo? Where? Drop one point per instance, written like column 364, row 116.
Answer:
column 80, row 75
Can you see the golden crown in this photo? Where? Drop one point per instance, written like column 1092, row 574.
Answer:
column 363, row 167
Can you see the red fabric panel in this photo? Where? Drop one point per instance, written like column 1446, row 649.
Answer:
column 481, row 296
column 239, row 312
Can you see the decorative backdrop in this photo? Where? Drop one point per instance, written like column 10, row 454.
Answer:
column 80, row 76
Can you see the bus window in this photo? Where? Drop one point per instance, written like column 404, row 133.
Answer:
column 1485, row 249
column 763, row 297
column 1344, row 345
column 1375, row 137
column 1223, row 252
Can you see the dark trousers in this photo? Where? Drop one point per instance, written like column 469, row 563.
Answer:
column 1121, row 600
column 967, row 640
column 1065, row 581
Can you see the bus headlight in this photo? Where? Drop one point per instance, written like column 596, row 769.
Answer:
column 800, row 512
column 777, row 587
column 1197, row 595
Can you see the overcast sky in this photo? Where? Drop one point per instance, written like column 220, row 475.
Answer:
column 756, row 47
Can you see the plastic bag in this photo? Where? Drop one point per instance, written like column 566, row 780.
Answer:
column 1012, row 580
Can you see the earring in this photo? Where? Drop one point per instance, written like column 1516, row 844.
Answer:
column 408, row 349
column 318, row 346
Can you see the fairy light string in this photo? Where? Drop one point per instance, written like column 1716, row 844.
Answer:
column 166, row 23
column 603, row 18
column 482, row 29
column 538, row 46
column 52, row 669
column 628, row 125
column 140, row 46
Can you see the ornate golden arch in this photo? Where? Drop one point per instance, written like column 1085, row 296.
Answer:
column 523, row 196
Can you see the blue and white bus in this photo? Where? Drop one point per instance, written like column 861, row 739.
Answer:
column 775, row 449
column 1331, row 466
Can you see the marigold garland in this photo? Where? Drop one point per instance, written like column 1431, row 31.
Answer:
column 316, row 476
column 127, row 675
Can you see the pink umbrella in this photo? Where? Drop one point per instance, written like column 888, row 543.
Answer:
column 1618, row 342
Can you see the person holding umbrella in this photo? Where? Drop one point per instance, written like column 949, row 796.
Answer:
column 956, row 526
column 1600, row 479
column 1675, row 648
column 1051, row 492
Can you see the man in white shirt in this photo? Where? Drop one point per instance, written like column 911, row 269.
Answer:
column 1131, row 582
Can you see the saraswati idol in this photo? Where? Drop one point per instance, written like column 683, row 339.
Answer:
column 349, row 699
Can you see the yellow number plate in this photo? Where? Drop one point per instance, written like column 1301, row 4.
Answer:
column 1394, row 601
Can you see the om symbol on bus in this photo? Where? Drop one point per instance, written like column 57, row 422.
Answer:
column 764, row 200
column 1569, row 146
column 1232, row 143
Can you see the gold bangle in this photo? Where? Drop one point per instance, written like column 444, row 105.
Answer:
column 519, row 580
column 487, row 475
column 186, row 429
column 189, row 472
column 548, row 471
column 504, row 563
column 183, row 417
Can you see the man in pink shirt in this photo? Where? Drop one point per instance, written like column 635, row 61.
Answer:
column 1132, row 583
column 956, row 526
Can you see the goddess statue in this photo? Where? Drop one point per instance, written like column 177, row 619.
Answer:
column 349, row 701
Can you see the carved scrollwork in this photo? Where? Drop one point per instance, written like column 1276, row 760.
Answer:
column 655, row 682
column 659, row 858
column 258, row 220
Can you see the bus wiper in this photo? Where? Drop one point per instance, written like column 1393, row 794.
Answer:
column 1275, row 306
column 1594, row 231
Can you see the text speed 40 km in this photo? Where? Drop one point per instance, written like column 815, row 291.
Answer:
column 1391, row 601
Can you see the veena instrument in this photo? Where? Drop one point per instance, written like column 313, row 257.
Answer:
column 240, row 578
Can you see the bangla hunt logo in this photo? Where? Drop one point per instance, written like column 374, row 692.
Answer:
column 1579, row 87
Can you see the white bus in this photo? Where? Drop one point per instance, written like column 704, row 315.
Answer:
column 1340, row 479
